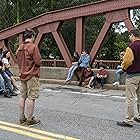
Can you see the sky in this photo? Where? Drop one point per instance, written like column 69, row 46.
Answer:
column 123, row 24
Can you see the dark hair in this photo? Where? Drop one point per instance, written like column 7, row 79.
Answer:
column 76, row 53
column 1, row 50
column 135, row 32
column 29, row 34
column 4, row 54
column 85, row 51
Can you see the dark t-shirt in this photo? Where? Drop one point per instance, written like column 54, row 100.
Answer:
column 1, row 64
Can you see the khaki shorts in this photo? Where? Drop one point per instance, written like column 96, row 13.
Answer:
column 30, row 89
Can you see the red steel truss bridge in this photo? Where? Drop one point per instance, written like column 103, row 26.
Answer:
column 51, row 22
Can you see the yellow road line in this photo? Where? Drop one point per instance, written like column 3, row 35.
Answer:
column 25, row 133
column 39, row 131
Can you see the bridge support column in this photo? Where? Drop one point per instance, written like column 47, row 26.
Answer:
column 80, row 35
column 21, row 38
column 63, row 47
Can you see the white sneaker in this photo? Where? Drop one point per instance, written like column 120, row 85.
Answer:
column 116, row 84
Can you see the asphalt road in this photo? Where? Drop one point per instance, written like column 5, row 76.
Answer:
column 69, row 113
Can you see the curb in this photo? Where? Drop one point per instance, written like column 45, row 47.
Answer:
column 75, row 83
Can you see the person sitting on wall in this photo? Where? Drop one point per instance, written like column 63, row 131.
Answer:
column 101, row 77
column 84, row 62
column 73, row 67
column 5, row 60
column 119, row 71
column 5, row 83
column 88, row 73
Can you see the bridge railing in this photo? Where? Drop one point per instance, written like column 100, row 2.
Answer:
column 111, row 64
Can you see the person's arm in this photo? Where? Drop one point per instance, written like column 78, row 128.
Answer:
column 79, row 61
column 87, row 60
column 37, row 56
column 98, row 75
column 127, row 59
column 106, row 74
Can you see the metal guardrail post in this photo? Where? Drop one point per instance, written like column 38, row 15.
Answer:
column 55, row 63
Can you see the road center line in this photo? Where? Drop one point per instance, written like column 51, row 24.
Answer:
column 25, row 133
column 37, row 131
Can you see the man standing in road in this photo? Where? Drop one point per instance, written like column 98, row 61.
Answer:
column 29, row 61
column 131, row 64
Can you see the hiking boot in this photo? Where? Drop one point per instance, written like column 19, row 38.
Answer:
column 32, row 122
column 124, row 124
column 13, row 93
column 22, row 120
column 7, row 95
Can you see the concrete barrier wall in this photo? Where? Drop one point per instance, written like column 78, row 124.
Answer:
column 60, row 73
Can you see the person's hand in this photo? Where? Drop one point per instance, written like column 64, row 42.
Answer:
column 3, row 68
column 75, row 62
column 101, row 76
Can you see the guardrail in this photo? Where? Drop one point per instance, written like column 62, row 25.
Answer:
column 111, row 64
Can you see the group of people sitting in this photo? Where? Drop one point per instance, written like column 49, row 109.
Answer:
column 81, row 69
column 8, row 85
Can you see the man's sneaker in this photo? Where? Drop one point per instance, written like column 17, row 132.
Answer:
column 116, row 84
column 32, row 122
column 22, row 120
column 124, row 124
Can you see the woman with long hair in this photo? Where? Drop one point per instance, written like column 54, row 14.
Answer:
column 5, row 60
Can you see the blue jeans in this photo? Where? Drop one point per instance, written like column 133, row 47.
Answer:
column 2, row 86
column 118, row 73
column 7, row 81
column 101, row 81
column 71, row 71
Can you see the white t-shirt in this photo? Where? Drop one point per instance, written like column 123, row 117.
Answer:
column 5, row 61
